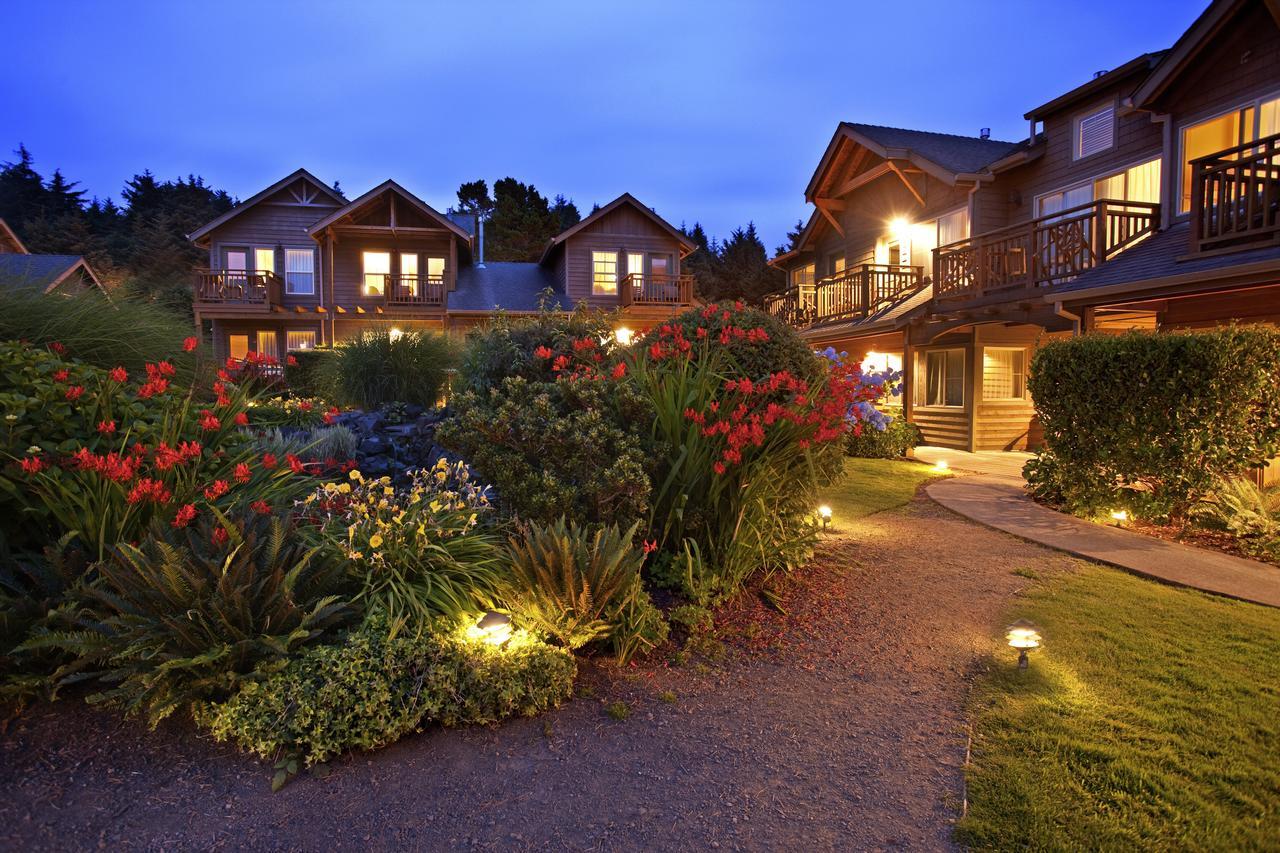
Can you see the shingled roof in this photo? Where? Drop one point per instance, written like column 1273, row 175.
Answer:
column 505, row 285
column 961, row 154
column 44, row 272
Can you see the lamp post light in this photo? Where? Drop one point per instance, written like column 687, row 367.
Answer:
column 824, row 513
column 1023, row 636
column 493, row 628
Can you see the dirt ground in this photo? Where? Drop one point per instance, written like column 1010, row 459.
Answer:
column 840, row 726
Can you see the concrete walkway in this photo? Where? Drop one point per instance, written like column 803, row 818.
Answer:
column 1004, row 463
column 1001, row 502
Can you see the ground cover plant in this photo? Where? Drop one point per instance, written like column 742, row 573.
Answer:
column 1146, row 721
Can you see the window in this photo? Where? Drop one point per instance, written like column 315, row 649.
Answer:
column 943, row 379
column 1136, row 183
column 238, row 347
column 803, row 276
column 299, row 271
column 604, row 273
column 836, row 262
column 635, row 263
column 301, row 340
column 408, row 274
column 953, row 227
column 1095, row 131
column 1255, row 121
column 268, row 344
column 435, row 269
column 1004, row 374
column 659, row 265
column 264, row 260
column 377, row 266
column 236, row 259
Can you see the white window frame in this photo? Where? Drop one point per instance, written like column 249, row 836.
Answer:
column 601, row 283
column 922, row 384
column 291, row 345
column 1077, row 123
column 288, row 282
column 1013, row 379
column 1092, row 180
column 1181, row 189
column 937, row 225
column 364, row 272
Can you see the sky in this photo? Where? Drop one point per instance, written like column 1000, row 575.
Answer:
column 706, row 111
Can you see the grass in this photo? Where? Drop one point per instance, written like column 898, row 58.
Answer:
column 1149, row 720
column 873, row 485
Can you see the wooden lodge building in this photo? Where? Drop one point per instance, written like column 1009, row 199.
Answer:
column 21, row 270
column 1147, row 198
column 299, row 266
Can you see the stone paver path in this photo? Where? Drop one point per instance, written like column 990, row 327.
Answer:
column 1002, row 503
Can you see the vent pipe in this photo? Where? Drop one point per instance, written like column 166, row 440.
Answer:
column 479, row 242
column 985, row 133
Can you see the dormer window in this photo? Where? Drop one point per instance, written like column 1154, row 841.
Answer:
column 1095, row 132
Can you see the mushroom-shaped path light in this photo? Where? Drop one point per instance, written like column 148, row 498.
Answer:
column 1023, row 636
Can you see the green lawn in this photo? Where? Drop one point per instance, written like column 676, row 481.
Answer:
column 1150, row 719
column 873, row 485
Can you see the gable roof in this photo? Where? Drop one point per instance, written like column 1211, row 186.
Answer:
column 45, row 272
column 946, row 156
column 1105, row 80
column 390, row 186
column 7, row 233
column 1190, row 44
column 625, row 198
column 240, row 208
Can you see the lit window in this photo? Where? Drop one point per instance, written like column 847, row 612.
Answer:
column 377, row 266
column 435, row 269
column 1004, row 374
column 238, row 347
column 879, row 362
column 635, row 264
column 953, row 227
column 1256, row 121
column 299, row 271
column 1138, row 183
column 408, row 274
column 268, row 344
column 604, row 273
column 943, row 379
column 264, row 260
column 803, row 276
column 1095, row 132
column 301, row 340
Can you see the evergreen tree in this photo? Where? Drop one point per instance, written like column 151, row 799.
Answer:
column 473, row 197
column 521, row 223
column 793, row 238
column 22, row 191
column 566, row 212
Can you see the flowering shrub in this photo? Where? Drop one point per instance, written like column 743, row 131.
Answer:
column 753, row 343
column 537, row 349
column 420, row 552
column 101, row 453
column 292, row 411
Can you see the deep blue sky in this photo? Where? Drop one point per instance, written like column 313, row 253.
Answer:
column 715, row 112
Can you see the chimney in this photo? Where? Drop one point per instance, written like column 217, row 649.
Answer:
column 479, row 242
column 984, row 133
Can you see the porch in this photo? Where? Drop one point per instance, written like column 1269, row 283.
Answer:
column 853, row 294
column 640, row 289
column 248, row 291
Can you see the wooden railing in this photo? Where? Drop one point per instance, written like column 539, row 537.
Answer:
column 1043, row 251
column 855, row 293
column 1235, row 196
column 641, row 289
column 425, row 291
column 238, row 287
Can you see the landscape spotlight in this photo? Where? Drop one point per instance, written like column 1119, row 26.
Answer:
column 1119, row 516
column 1023, row 636
column 494, row 628
column 824, row 513
column 941, row 466
column 395, row 333
column 622, row 335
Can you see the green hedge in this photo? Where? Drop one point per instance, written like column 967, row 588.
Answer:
column 306, row 374
column 891, row 443
column 1152, row 422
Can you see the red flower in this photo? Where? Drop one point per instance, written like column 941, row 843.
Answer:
column 189, row 450
column 295, row 464
column 118, row 374
column 188, row 512
column 561, row 362
column 74, row 392
column 620, row 371
column 219, row 536
column 350, row 465
column 106, row 427
column 261, row 507
column 32, row 464
column 209, row 421
column 305, row 406
column 650, row 545
column 151, row 490
column 543, row 352
column 60, row 376
column 242, row 419
column 269, row 461
column 58, row 347
column 719, row 467
column 217, row 490
column 242, row 473
column 331, row 415
column 188, row 344
column 290, row 361
column 166, row 369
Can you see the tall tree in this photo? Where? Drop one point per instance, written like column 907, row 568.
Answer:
column 473, row 197
column 793, row 238
column 565, row 212
column 521, row 223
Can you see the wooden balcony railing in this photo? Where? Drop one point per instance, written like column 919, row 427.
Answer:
column 421, row 291
column 1235, row 196
column 641, row 289
column 1043, row 251
column 855, row 293
column 238, row 287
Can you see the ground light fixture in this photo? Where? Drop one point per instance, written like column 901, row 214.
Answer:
column 622, row 335
column 824, row 513
column 396, row 333
column 493, row 628
column 1023, row 636
column 1119, row 516
column 941, row 466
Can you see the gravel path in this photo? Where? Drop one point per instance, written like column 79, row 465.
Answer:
column 838, row 727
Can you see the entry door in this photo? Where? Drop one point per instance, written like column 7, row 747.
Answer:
column 408, row 276
column 235, row 281
column 660, row 278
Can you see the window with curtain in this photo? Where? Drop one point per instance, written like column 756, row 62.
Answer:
column 943, row 383
column 803, row 276
column 408, row 284
column 1254, row 121
column 299, row 271
column 300, row 340
column 1095, row 131
column 377, row 266
column 635, row 263
column 269, row 344
column 953, row 227
column 264, row 260
column 1004, row 374
column 238, row 347
column 604, row 273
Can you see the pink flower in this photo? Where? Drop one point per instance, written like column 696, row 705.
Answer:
column 650, row 545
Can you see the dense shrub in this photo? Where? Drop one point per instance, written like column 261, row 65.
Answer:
column 189, row 614
column 420, row 552
column 374, row 688
column 779, row 350
column 100, row 332
column 537, row 349
column 569, row 447
column 1250, row 515
column 378, row 367
column 32, row 588
column 893, row 442
column 307, row 374
column 577, row 587
column 1152, row 422
column 292, row 411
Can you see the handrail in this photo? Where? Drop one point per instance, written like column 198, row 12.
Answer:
column 1235, row 195
column 857, row 292
column 424, row 290
column 649, row 289
column 238, row 287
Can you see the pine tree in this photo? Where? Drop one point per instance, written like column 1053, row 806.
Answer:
column 521, row 223
column 473, row 197
column 565, row 212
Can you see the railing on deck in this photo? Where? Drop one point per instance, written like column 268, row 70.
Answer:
column 238, row 287
column 1043, row 251
column 421, row 291
column 855, row 293
column 1235, row 196
column 640, row 289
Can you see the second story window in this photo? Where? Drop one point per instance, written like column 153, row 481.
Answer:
column 1095, row 132
column 803, row 276
column 604, row 273
column 377, row 267
column 1256, row 121
column 264, row 260
column 299, row 272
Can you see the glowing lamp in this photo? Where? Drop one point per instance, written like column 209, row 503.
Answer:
column 493, row 628
column 824, row 513
column 1023, row 636
column 395, row 333
column 900, row 228
column 941, row 466
column 1119, row 516
column 623, row 336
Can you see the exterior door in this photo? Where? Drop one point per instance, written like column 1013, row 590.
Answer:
column 235, row 281
column 408, row 285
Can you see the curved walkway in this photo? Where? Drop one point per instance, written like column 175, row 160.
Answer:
column 1001, row 502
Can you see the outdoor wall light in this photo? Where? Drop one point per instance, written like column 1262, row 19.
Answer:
column 623, row 336
column 1119, row 516
column 1023, row 636
column 824, row 513
column 493, row 628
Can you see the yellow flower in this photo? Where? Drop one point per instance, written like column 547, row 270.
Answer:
column 345, row 488
column 355, row 474
column 388, row 491
column 375, row 541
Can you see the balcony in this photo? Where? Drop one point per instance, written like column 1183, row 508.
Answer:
column 1235, row 197
column 238, row 289
column 856, row 293
column 1043, row 251
column 425, row 292
column 663, row 291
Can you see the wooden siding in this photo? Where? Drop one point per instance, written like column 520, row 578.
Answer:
column 623, row 230
column 348, row 262
column 1260, row 305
